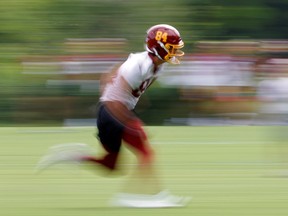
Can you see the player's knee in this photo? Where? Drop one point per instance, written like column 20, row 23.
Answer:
column 146, row 156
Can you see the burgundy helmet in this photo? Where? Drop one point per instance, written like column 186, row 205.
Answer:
column 165, row 42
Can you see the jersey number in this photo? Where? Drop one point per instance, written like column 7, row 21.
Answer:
column 144, row 85
column 161, row 36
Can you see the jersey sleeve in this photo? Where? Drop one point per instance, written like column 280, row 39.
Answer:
column 130, row 71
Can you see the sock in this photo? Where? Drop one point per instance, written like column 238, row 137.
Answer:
column 108, row 161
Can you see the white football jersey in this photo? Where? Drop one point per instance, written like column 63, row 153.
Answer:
column 139, row 72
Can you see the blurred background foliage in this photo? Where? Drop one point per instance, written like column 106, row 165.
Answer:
column 36, row 26
column 40, row 28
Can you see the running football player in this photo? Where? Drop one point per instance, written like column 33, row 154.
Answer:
column 117, row 123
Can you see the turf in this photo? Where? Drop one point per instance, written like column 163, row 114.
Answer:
column 229, row 171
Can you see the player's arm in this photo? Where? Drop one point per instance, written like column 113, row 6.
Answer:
column 132, row 124
column 118, row 109
column 108, row 77
column 125, row 82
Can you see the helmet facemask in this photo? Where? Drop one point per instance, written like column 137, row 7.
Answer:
column 173, row 51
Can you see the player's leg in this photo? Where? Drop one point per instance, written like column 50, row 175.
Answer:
column 145, row 173
column 110, row 136
column 143, row 189
column 110, row 132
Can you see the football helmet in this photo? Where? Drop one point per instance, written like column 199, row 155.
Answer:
column 165, row 42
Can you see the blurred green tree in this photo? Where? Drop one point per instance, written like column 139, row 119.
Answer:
column 246, row 19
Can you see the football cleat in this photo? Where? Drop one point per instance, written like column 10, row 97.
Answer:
column 161, row 200
column 71, row 153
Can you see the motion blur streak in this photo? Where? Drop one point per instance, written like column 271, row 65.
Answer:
column 231, row 87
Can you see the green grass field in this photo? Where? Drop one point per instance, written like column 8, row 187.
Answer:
column 227, row 171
